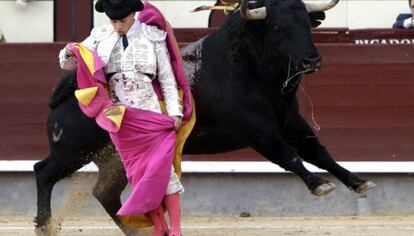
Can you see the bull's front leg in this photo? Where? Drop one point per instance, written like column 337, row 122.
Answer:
column 312, row 151
column 267, row 141
column 300, row 135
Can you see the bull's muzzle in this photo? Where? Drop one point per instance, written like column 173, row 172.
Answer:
column 310, row 65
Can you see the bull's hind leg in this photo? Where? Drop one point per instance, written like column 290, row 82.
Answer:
column 268, row 142
column 109, row 186
column 300, row 135
column 48, row 172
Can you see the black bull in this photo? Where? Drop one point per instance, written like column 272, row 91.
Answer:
column 244, row 79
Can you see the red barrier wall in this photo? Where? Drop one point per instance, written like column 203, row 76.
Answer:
column 361, row 98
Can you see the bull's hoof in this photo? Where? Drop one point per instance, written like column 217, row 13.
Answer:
column 45, row 230
column 323, row 189
column 366, row 186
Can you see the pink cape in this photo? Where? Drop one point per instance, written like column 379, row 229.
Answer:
column 146, row 144
column 145, row 140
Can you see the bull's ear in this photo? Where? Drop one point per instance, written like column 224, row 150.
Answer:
column 316, row 18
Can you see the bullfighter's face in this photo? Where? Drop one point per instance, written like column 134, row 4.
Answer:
column 122, row 26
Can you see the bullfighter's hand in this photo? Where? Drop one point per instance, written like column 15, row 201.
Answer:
column 177, row 122
column 68, row 50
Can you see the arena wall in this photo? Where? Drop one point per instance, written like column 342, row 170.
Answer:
column 222, row 194
column 361, row 98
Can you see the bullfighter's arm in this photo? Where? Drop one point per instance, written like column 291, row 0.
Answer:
column 167, row 80
column 68, row 62
column 165, row 71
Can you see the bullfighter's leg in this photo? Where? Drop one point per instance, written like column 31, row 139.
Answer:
column 299, row 134
column 48, row 171
column 266, row 140
column 109, row 186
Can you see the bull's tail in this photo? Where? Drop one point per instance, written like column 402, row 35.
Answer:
column 65, row 88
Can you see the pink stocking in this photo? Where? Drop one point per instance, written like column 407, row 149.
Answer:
column 174, row 211
column 162, row 218
column 158, row 219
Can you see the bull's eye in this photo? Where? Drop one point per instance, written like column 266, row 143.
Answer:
column 277, row 29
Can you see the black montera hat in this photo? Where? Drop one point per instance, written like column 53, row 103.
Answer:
column 118, row 9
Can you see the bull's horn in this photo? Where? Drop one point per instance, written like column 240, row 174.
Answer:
column 254, row 14
column 320, row 6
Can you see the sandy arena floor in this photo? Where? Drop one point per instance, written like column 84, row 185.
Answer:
column 252, row 226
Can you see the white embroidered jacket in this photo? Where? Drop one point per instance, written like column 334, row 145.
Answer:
column 145, row 58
